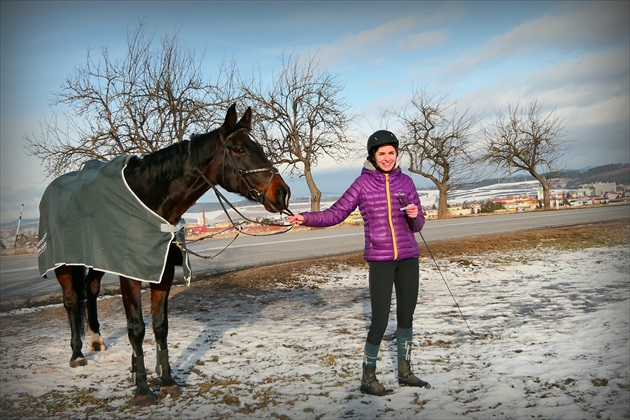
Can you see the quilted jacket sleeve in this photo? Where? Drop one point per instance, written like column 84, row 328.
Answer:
column 338, row 212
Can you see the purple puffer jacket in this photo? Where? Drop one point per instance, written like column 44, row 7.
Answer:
column 389, row 233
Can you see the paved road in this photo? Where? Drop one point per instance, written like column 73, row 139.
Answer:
column 19, row 276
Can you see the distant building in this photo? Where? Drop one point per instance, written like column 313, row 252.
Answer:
column 584, row 201
column 585, row 191
column 431, row 214
column 354, row 218
column 602, row 188
column 458, row 211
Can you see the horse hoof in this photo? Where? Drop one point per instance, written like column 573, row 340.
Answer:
column 98, row 346
column 172, row 390
column 79, row 361
column 146, row 400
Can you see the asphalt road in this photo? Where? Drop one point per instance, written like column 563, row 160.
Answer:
column 20, row 280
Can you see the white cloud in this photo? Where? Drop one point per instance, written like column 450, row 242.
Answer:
column 598, row 114
column 610, row 68
column 375, row 44
column 423, row 40
column 570, row 30
column 365, row 45
column 591, row 25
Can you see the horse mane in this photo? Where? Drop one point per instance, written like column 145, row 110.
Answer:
column 199, row 148
column 166, row 163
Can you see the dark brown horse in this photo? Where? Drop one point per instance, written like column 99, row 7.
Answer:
column 168, row 182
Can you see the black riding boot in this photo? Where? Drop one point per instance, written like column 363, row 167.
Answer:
column 407, row 378
column 371, row 385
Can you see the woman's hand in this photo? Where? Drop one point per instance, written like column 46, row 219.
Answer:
column 297, row 219
column 412, row 211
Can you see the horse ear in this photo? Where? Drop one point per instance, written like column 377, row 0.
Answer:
column 246, row 119
column 230, row 117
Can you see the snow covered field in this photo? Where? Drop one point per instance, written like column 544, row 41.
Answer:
column 551, row 340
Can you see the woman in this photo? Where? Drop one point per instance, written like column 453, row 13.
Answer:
column 391, row 211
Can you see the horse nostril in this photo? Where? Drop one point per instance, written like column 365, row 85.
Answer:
column 282, row 196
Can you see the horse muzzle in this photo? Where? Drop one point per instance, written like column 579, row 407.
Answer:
column 277, row 197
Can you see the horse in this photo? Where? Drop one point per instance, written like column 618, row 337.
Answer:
column 167, row 182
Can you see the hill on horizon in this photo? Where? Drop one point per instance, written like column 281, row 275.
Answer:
column 618, row 173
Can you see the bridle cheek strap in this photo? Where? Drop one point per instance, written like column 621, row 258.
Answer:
column 255, row 193
column 260, row 196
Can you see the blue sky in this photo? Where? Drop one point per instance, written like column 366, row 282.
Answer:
column 571, row 56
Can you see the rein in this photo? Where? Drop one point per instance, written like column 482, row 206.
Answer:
column 260, row 197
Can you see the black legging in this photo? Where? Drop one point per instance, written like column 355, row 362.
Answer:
column 404, row 275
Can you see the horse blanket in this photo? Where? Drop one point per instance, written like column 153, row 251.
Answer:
column 92, row 218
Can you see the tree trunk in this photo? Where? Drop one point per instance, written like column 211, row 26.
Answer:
column 316, row 194
column 546, row 195
column 546, row 189
column 442, row 202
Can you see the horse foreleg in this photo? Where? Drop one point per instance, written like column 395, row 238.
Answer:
column 132, row 301
column 93, row 288
column 72, row 302
column 159, row 311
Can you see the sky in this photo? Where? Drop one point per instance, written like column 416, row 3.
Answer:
column 573, row 57
column 547, row 342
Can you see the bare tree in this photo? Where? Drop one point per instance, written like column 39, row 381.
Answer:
column 525, row 139
column 437, row 137
column 148, row 100
column 301, row 118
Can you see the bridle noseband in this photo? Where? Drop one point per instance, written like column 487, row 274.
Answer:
column 253, row 191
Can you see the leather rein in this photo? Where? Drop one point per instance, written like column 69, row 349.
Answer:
column 255, row 192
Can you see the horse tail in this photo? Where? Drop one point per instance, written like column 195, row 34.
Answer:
column 78, row 283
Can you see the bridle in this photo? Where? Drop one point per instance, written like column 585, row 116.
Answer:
column 254, row 192
column 258, row 195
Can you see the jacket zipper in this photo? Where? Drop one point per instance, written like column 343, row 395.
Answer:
column 389, row 216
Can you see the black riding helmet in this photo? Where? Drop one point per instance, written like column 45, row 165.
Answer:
column 380, row 138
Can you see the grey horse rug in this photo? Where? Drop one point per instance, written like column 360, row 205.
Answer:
column 92, row 218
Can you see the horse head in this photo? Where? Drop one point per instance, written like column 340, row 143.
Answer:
column 244, row 168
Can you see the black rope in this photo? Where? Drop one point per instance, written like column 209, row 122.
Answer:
column 223, row 199
column 444, row 279
column 209, row 256
column 403, row 202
